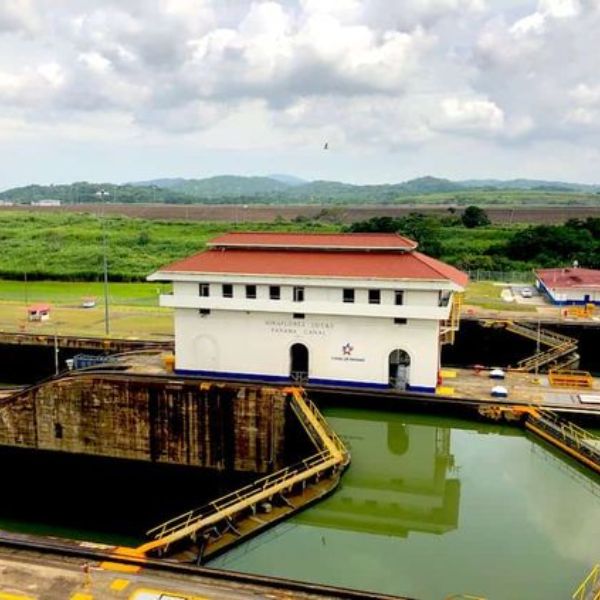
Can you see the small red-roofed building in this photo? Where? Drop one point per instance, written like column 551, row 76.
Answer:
column 38, row 312
column 362, row 310
column 569, row 286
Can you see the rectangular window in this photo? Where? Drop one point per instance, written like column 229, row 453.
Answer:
column 274, row 292
column 374, row 296
column 399, row 297
column 400, row 321
column 204, row 290
column 348, row 295
column 251, row 292
column 298, row 316
column 298, row 294
column 227, row 290
column 204, row 311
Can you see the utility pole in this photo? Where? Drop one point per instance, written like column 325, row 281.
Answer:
column 102, row 194
column 56, row 369
column 105, row 264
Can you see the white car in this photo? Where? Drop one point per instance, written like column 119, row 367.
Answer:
column 526, row 293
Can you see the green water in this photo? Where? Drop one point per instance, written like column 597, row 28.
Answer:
column 432, row 507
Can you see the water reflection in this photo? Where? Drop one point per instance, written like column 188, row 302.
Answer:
column 402, row 478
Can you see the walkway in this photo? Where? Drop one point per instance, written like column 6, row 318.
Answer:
column 225, row 521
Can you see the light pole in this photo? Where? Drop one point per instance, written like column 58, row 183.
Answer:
column 102, row 194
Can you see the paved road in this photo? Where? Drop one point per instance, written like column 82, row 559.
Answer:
column 29, row 575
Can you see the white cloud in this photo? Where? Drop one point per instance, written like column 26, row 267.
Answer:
column 470, row 115
column 586, row 94
column 560, row 8
column 373, row 75
column 94, row 61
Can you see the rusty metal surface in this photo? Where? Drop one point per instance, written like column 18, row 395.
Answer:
column 183, row 422
column 80, row 342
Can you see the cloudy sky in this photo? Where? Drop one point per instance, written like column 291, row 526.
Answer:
column 124, row 90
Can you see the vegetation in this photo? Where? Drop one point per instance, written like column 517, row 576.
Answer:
column 473, row 216
column 279, row 189
column 422, row 228
column 551, row 245
column 69, row 246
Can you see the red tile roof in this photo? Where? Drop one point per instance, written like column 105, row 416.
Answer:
column 323, row 241
column 312, row 263
column 38, row 308
column 569, row 278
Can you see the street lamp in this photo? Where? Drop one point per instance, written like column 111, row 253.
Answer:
column 102, row 194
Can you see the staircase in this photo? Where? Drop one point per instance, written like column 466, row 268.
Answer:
column 561, row 352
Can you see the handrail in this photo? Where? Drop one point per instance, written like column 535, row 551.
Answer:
column 575, row 430
column 233, row 498
column 333, row 455
column 546, row 356
column 587, row 586
column 531, row 330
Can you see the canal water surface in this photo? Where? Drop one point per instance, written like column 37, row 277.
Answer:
column 433, row 506
column 430, row 506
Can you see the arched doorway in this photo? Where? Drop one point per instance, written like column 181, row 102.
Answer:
column 399, row 369
column 299, row 362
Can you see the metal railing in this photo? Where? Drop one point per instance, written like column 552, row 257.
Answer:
column 561, row 346
column 333, row 455
column 234, row 499
column 310, row 415
column 504, row 276
column 545, row 336
column 584, row 442
column 589, row 588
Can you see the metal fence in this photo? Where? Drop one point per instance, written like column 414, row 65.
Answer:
column 506, row 276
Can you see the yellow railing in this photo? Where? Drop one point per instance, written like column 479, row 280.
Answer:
column 332, row 455
column 588, row 589
column 570, row 379
column 452, row 324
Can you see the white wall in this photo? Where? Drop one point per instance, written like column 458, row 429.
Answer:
column 259, row 343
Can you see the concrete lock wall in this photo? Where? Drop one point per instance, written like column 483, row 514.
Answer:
column 232, row 427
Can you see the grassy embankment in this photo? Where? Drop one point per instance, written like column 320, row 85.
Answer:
column 68, row 250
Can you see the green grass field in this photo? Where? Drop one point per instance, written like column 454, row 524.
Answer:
column 69, row 246
column 71, row 293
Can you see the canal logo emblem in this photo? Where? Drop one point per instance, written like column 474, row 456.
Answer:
column 347, row 349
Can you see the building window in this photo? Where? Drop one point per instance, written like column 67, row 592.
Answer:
column 399, row 297
column 400, row 321
column 298, row 316
column 298, row 293
column 227, row 290
column 203, row 312
column 374, row 296
column 274, row 292
column 251, row 292
column 348, row 295
column 204, row 290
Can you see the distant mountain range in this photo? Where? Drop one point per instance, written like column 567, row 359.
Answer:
column 287, row 189
column 293, row 187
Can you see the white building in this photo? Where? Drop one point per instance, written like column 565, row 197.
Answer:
column 46, row 202
column 363, row 310
column 572, row 285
